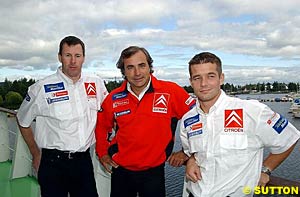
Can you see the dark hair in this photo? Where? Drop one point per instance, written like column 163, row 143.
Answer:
column 128, row 52
column 206, row 57
column 71, row 40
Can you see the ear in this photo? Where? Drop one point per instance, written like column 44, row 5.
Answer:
column 59, row 57
column 222, row 77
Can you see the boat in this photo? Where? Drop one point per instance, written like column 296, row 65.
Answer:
column 295, row 106
column 296, row 114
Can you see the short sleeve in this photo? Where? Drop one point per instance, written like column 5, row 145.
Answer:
column 275, row 131
column 29, row 107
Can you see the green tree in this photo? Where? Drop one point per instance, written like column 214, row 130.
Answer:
column 6, row 86
column 111, row 85
column 1, row 101
column 13, row 100
column 292, row 87
column 189, row 89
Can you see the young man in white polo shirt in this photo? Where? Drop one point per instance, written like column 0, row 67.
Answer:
column 226, row 136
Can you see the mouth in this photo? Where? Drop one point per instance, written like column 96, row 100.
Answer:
column 204, row 91
column 73, row 67
column 138, row 79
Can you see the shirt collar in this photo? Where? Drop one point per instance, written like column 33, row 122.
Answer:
column 216, row 106
column 143, row 91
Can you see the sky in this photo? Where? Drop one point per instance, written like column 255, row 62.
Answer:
column 257, row 41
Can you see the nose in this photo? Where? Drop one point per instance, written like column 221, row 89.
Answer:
column 203, row 81
column 137, row 71
column 73, row 59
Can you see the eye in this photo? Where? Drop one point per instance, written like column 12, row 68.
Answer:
column 129, row 67
column 196, row 78
column 142, row 65
column 78, row 55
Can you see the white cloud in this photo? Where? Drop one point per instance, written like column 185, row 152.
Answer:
column 172, row 30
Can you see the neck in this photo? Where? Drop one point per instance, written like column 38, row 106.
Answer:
column 206, row 105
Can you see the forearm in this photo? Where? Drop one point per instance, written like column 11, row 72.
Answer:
column 29, row 140
column 274, row 160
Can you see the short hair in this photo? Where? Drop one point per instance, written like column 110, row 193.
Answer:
column 71, row 40
column 128, row 52
column 206, row 57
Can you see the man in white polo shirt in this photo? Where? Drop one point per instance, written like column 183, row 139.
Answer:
column 65, row 107
column 226, row 136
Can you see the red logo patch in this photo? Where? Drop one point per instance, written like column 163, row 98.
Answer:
column 61, row 93
column 196, row 126
column 234, row 118
column 90, row 89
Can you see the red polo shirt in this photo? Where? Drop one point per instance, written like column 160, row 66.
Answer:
column 144, row 137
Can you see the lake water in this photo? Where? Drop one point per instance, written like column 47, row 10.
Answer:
column 289, row 169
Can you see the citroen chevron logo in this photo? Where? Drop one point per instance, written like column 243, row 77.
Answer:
column 161, row 100
column 234, row 118
column 90, row 89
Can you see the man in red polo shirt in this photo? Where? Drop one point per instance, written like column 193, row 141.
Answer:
column 145, row 111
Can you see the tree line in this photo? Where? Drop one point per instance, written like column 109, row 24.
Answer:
column 12, row 93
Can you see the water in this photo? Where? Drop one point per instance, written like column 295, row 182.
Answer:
column 289, row 169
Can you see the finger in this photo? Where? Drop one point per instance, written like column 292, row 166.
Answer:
column 113, row 164
column 192, row 178
column 107, row 168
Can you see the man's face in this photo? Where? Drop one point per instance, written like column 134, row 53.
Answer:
column 137, row 71
column 206, row 82
column 72, row 59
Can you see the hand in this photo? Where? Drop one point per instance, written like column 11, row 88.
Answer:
column 36, row 160
column 177, row 159
column 107, row 162
column 192, row 170
column 264, row 179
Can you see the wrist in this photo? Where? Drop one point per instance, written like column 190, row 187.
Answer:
column 266, row 170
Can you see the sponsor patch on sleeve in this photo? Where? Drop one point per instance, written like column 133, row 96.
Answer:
column 280, row 124
column 27, row 97
column 189, row 100
column 191, row 120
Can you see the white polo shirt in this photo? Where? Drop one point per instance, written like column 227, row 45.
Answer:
column 65, row 112
column 228, row 144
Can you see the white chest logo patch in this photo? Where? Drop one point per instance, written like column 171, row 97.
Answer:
column 160, row 103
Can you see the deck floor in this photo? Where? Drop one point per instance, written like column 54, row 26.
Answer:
column 20, row 187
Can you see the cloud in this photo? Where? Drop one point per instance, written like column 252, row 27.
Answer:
column 173, row 31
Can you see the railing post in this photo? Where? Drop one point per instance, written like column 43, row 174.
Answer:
column 4, row 137
column 102, row 177
column 22, row 158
